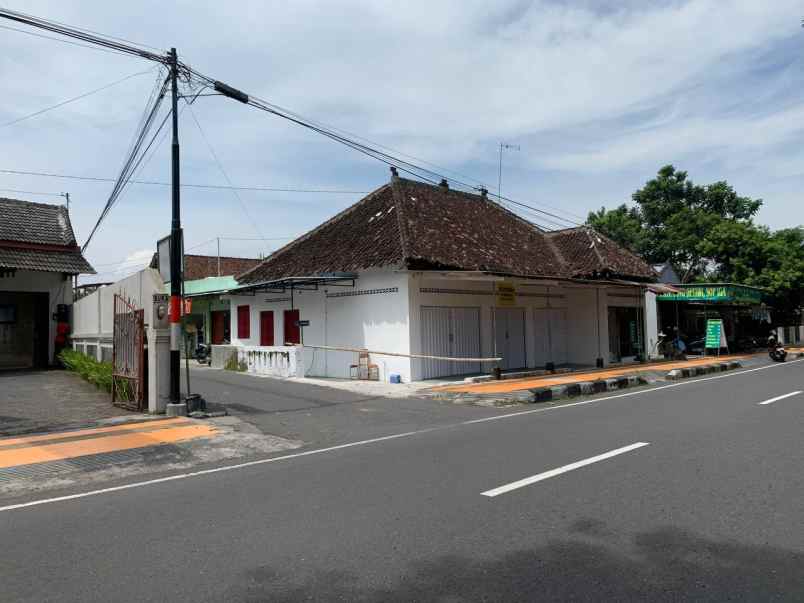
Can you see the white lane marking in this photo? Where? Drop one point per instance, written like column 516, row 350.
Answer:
column 559, row 470
column 625, row 395
column 170, row 478
column 777, row 398
column 179, row 476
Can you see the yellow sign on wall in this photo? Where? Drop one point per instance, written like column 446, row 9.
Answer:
column 506, row 294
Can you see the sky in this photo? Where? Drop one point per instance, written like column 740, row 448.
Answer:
column 595, row 96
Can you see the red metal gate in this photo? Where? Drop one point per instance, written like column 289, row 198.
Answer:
column 128, row 357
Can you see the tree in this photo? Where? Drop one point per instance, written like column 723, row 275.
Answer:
column 672, row 217
column 623, row 225
column 708, row 233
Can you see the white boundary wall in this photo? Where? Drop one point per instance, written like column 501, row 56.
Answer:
column 372, row 315
column 93, row 315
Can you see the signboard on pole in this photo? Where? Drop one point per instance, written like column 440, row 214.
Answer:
column 163, row 257
column 506, row 294
column 715, row 335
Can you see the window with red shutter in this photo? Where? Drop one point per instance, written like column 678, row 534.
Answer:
column 243, row 322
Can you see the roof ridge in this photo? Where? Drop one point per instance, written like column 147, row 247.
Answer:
column 588, row 231
column 399, row 201
column 311, row 232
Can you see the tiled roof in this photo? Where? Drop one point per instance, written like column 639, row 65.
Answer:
column 38, row 236
column 589, row 254
column 30, row 222
column 204, row 266
column 71, row 262
column 424, row 227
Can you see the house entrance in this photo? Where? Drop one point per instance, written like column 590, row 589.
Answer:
column 625, row 334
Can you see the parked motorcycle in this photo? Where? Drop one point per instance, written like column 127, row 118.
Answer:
column 202, row 354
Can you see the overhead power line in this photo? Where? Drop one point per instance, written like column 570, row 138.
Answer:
column 223, row 171
column 193, row 76
column 133, row 159
column 102, row 41
column 16, row 190
column 75, row 98
column 267, row 189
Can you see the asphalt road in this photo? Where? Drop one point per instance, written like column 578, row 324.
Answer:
column 696, row 494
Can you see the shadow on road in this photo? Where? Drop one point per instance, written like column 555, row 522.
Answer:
column 663, row 564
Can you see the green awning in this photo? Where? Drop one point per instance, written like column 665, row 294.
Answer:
column 715, row 293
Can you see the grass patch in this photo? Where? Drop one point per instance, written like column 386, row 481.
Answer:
column 97, row 373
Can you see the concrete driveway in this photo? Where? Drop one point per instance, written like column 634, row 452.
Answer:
column 35, row 401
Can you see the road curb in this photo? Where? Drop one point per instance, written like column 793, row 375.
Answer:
column 705, row 369
column 583, row 388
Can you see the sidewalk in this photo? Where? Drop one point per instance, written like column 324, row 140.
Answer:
column 84, row 442
column 514, row 385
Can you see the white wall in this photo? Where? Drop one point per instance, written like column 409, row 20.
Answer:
column 372, row 315
column 576, row 332
column 57, row 285
column 93, row 315
column 537, row 300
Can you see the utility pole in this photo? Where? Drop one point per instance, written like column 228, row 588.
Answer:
column 503, row 146
column 175, row 407
column 66, row 199
column 219, row 256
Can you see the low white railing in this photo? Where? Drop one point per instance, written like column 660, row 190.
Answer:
column 278, row 361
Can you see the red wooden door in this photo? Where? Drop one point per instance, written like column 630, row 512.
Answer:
column 267, row 327
column 218, row 327
column 291, row 333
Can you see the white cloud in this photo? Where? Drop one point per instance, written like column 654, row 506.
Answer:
column 586, row 87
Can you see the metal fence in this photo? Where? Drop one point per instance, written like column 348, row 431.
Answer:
column 128, row 355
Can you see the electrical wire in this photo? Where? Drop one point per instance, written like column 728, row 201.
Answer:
column 193, row 76
column 38, row 35
column 16, row 190
column 133, row 160
column 223, row 171
column 188, row 185
column 73, row 99
column 101, row 41
column 391, row 160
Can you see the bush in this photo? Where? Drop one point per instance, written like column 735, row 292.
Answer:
column 97, row 373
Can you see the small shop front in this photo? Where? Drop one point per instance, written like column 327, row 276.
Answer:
column 746, row 318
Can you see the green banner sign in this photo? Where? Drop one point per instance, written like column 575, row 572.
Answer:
column 714, row 293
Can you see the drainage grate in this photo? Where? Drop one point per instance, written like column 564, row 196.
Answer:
column 94, row 462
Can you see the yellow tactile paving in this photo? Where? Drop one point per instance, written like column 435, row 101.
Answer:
column 57, row 435
column 100, row 441
column 512, row 385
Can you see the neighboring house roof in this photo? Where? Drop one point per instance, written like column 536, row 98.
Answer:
column 589, row 254
column 666, row 273
column 204, row 266
column 209, row 285
column 419, row 226
column 38, row 236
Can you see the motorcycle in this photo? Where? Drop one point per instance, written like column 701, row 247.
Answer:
column 202, row 354
column 777, row 353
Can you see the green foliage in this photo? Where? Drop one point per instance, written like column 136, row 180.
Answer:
column 707, row 233
column 97, row 373
column 622, row 224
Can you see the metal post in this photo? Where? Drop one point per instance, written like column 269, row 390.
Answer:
column 599, row 361
column 175, row 406
column 499, row 175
